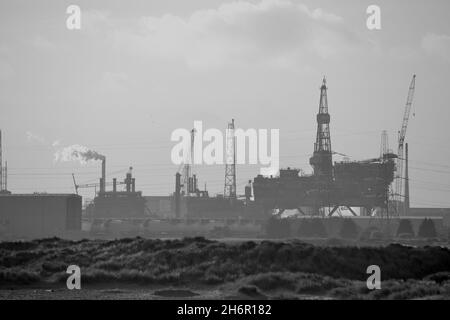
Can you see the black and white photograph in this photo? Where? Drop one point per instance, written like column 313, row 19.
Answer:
column 221, row 157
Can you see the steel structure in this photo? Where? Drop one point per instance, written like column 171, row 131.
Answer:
column 321, row 160
column 345, row 184
column 385, row 153
column 230, row 163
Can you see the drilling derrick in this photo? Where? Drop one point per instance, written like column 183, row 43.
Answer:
column 230, row 165
column 321, row 160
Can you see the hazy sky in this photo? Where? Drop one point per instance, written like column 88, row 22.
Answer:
column 137, row 70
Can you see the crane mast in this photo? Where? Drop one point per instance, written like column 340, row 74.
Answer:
column 401, row 142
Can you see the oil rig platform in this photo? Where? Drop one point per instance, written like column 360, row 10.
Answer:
column 363, row 184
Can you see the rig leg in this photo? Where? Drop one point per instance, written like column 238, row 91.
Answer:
column 351, row 210
column 333, row 211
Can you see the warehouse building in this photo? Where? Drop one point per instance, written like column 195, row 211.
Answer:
column 30, row 216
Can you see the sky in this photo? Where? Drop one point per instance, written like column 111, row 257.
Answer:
column 138, row 70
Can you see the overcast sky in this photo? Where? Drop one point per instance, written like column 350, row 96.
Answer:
column 137, row 70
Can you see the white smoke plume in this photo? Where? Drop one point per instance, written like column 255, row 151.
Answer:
column 31, row 137
column 77, row 152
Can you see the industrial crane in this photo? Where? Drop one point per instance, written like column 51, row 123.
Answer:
column 87, row 185
column 401, row 142
column 91, row 185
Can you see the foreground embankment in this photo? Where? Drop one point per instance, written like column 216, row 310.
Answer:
column 266, row 269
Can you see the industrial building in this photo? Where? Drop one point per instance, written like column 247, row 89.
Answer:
column 364, row 188
column 27, row 216
column 125, row 204
column 201, row 206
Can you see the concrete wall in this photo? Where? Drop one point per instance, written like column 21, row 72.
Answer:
column 164, row 206
column 39, row 215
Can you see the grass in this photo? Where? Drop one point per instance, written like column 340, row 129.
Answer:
column 293, row 267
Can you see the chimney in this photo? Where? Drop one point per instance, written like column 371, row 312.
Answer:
column 406, row 209
column 248, row 190
column 114, row 185
column 128, row 180
column 194, row 183
column 103, row 179
column 177, row 194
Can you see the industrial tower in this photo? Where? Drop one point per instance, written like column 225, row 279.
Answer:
column 321, row 160
column 406, row 206
column 384, row 148
column 186, row 169
column 230, row 163
column 400, row 200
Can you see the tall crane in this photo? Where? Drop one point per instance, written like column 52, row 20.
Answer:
column 401, row 143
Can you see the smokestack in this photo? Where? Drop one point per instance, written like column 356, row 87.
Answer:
column 195, row 183
column 248, row 190
column 103, row 179
column 128, row 179
column 114, row 185
column 406, row 209
column 177, row 194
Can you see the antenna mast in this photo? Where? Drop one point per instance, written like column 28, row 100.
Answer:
column 230, row 165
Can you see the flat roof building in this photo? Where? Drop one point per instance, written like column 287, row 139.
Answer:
column 38, row 215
